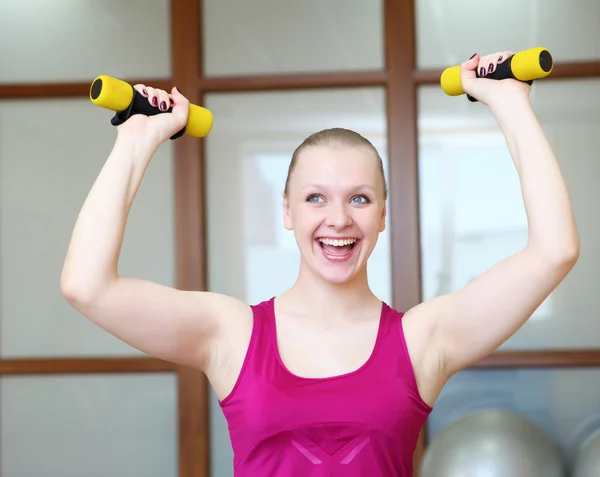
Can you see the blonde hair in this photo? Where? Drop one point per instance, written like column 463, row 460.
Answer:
column 330, row 137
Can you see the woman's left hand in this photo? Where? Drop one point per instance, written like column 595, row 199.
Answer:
column 489, row 91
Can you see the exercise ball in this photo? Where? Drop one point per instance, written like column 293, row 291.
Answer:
column 587, row 462
column 492, row 443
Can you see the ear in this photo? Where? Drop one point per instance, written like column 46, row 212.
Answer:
column 287, row 216
column 382, row 220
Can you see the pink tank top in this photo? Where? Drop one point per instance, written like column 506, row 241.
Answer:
column 363, row 423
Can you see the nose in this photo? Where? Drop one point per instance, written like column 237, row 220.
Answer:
column 338, row 217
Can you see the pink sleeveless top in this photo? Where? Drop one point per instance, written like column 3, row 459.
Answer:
column 363, row 423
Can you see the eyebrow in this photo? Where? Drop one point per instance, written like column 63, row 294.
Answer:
column 324, row 186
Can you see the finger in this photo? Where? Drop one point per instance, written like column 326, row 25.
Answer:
column 181, row 107
column 471, row 63
column 482, row 68
column 503, row 56
column 141, row 88
column 468, row 68
column 493, row 61
column 177, row 96
column 496, row 59
column 179, row 100
column 152, row 96
column 163, row 100
column 484, row 65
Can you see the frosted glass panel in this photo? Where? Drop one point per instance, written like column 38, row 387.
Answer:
column 271, row 36
column 564, row 403
column 65, row 40
column 250, row 254
column 472, row 213
column 450, row 32
column 88, row 425
column 50, row 154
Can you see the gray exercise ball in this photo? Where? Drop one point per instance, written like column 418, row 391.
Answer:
column 492, row 443
column 587, row 462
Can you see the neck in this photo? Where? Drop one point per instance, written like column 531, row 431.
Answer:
column 326, row 300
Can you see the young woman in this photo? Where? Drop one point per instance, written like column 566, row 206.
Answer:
column 325, row 379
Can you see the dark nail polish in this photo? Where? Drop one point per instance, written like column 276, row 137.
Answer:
column 178, row 90
column 474, row 54
column 145, row 92
column 163, row 106
column 482, row 71
column 490, row 69
column 500, row 58
column 154, row 102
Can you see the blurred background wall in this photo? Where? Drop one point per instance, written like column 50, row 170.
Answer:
column 76, row 401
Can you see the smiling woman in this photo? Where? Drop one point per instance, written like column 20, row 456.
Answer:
column 374, row 373
column 334, row 198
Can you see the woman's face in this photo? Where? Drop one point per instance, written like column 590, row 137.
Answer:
column 336, row 208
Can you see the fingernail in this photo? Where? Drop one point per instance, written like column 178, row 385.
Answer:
column 163, row 106
column 482, row 71
column 490, row 68
column 474, row 54
column 500, row 58
column 145, row 92
column 178, row 90
column 154, row 102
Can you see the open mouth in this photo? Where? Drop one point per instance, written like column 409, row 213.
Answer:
column 337, row 248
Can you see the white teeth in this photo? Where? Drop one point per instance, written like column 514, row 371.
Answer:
column 336, row 242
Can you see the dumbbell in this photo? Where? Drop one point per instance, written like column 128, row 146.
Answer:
column 122, row 98
column 526, row 66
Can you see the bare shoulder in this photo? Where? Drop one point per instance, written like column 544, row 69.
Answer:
column 419, row 326
column 235, row 327
column 231, row 310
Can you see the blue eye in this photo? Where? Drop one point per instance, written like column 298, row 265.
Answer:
column 313, row 198
column 364, row 200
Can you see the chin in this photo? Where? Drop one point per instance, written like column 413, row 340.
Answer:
column 336, row 278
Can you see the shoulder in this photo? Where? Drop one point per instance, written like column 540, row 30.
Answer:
column 418, row 322
column 238, row 324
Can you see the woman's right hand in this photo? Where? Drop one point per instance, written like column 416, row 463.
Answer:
column 152, row 131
